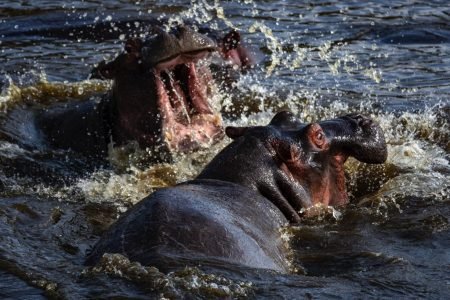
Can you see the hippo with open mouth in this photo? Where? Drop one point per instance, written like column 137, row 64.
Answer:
column 160, row 98
column 233, row 211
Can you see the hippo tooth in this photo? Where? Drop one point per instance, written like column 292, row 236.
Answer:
column 168, row 135
column 177, row 98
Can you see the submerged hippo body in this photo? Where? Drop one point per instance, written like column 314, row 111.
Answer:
column 202, row 220
column 233, row 211
column 160, row 99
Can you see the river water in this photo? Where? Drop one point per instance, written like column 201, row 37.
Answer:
column 320, row 59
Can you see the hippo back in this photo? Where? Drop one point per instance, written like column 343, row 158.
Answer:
column 83, row 127
column 208, row 221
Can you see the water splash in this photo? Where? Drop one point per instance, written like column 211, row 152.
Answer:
column 44, row 92
column 273, row 44
column 177, row 284
column 202, row 12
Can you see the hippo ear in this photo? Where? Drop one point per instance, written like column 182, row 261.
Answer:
column 231, row 40
column 134, row 46
column 316, row 137
column 103, row 71
column 285, row 119
column 235, row 132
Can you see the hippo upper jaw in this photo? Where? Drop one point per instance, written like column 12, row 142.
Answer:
column 166, row 47
column 358, row 136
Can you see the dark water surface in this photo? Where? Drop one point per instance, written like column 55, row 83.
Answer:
column 387, row 59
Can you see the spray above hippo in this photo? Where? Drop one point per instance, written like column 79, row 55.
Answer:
column 160, row 98
column 232, row 212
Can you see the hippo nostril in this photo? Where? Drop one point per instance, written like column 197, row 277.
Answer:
column 358, row 117
column 361, row 121
column 365, row 123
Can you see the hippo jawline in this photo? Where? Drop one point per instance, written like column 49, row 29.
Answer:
column 188, row 120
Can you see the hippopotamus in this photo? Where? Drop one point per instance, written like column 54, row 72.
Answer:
column 160, row 98
column 232, row 212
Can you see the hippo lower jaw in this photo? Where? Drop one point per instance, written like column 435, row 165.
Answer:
column 188, row 121
column 326, row 185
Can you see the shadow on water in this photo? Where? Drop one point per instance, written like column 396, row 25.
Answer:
column 387, row 59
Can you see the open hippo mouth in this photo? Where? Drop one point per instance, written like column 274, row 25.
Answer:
column 188, row 119
column 161, row 92
column 159, row 99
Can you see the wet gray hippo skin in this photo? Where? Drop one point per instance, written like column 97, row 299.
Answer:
column 159, row 98
column 233, row 211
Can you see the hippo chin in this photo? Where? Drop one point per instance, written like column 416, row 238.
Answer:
column 159, row 98
column 233, row 211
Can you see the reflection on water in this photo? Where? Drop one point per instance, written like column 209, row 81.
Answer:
column 387, row 59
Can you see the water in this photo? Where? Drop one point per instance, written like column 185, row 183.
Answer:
column 387, row 59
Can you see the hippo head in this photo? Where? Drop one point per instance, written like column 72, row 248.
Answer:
column 232, row 50
column 298, row 165
column 161, row 91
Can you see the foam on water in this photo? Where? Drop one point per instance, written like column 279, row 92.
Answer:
column 174, row 284
column 138, row 180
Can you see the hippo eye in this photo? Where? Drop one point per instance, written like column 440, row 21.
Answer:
column 316, row 136
column 319, row 138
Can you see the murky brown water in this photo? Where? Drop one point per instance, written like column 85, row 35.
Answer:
column 387, row 59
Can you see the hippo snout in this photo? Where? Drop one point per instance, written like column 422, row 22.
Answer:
column 364, row 139
column 361, row 120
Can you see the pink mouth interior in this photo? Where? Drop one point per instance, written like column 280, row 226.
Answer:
column 183, row 58
column 189, row 122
